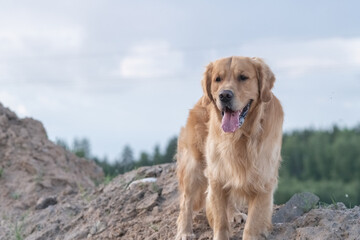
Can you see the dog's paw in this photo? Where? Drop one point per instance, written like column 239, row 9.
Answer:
column 240, row 218
column 185, row 236
column 258, row 236
column 188, row 237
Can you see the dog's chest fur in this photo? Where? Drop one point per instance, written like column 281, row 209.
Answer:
column 232, row 160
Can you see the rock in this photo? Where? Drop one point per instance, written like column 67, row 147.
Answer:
column 321, row 223
column 68, row 190
column 338, row 206
column 147, row 202
column 44, row 202
column 101, row 227
column 298, row 204
column 141, row 181
column 81, row 234
column 93, row 230
column 98, row 227
column 152, row 172
column 155, row 211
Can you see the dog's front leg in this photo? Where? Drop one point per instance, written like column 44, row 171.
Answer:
column 192, row 186
column 216, row 210
column 258, row 223
column 184, row 221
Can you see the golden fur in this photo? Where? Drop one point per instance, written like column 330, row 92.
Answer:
column 216, row 168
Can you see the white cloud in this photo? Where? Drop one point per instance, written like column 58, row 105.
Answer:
column 30, row 36
column 151, row 60
column 31, row 50
column 297, row 58
column 26, row 39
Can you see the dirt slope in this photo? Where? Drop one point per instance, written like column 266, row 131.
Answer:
column 47, row 193
column 124, row 210
column 32, row 167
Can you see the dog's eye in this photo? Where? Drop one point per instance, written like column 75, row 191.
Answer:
column 218, row 79
column 242, row 77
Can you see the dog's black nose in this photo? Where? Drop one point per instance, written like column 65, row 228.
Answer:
column 226, row 96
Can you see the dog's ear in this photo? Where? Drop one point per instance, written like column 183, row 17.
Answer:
column 206, row 82
column 266, row 79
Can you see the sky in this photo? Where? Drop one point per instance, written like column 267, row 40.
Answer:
column 127, row 72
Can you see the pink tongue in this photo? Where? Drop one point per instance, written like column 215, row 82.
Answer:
column 230, row 121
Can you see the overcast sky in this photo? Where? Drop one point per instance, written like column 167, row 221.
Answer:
column 127, row 72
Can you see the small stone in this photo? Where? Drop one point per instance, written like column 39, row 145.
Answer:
column 155, row 210
column 81, row 234
column 93, row 230
column 154, row 171
column 98, row 227
column 298, row 204
column 44, row 202
column 340, row 206
column 147, row 202
column 141, row 181
column 68, row 191
column 101, row 227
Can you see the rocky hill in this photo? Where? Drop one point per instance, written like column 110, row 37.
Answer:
column 48, row 193
column 33, row 169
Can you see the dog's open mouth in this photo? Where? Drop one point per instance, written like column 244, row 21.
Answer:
column 232, row 120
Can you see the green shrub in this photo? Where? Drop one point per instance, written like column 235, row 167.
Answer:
column 328, row 191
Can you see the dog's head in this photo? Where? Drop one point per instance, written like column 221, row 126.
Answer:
column 234, row 84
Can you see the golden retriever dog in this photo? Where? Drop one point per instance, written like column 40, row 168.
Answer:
column 229, row 150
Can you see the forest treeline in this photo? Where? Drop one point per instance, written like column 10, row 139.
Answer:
column 126, row 160
column 325, row 162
